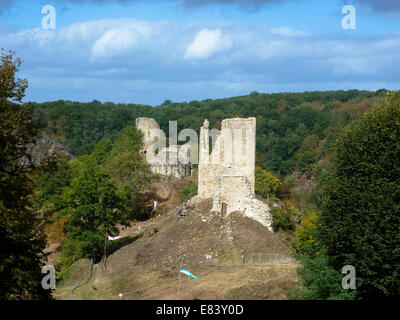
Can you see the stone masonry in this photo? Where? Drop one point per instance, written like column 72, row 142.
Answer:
column 171, row 161
column 227, row 174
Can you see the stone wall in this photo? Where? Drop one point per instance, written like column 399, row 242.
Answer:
column 227, row 174
column 151, row 130
column 234, row 147
column 173, row 161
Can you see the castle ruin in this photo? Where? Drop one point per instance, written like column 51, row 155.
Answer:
column 227, row 174
column 173, row 161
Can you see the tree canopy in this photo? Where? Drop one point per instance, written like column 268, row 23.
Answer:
column 21, row 238
column 360, row 218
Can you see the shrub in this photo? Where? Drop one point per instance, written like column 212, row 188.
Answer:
column 267, row 183
column 282, row 219
column 188, row 190
column 319, row 281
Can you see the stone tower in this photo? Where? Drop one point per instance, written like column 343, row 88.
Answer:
column 234, row 147
column 150, row 129
column 227, row 174
column 173, row 161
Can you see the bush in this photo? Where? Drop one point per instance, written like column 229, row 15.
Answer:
column 72, row 250
column 319, row 281
column 306, row 234
column 282, row 219
column 188, row 190
column 267, row 184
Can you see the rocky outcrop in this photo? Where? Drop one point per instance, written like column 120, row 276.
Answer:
column 43, row 150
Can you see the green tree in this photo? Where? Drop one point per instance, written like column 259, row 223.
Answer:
column 266, row 183
column 360, row 218
column 21, row 239
column 92, row 203
column 130, row 170
column 188, row 190
column 319, row 281
column 306, row 235
column 101, row 151
column 52, row 183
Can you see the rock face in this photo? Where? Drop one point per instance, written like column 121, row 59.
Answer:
column 42, row 150
column 227, row 174
column 171, row 161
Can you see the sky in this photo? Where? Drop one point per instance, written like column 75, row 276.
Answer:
column 145, row 52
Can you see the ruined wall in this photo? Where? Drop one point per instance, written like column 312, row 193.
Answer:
column 147, row 126
column 235, row 147
column 227, row 174
column 173, row 161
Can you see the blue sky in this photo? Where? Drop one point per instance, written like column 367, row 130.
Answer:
column 133, row 51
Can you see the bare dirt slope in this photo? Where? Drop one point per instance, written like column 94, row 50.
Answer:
column 233, row 257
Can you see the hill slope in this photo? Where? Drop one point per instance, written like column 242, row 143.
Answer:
column 234, row 257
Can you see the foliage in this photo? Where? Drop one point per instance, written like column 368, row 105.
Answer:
column 306, row 234
column 54, row 228
column 22, row 240
column 130, row 170
column 126, row 164
column 51, row 183
column 284, row 217
column 360, row 218
column 94, row 192
column 72, row 250
column 101, row 151
column 128, row 139
column 319, row 281
column 266, row 183
column 188, row 190
column 92, row 203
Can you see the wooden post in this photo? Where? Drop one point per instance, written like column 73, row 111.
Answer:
column 105, row 252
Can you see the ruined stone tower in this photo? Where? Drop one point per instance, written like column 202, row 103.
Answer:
column 234, row 148
column 227, row 174
column 173, row 161
column 150, row 129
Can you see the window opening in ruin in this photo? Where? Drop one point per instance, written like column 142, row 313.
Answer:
column 224, row 209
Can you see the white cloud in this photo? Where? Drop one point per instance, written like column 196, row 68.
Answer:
column 115, row 42
column 289, row 32
column 120, row 39
column 206, row 43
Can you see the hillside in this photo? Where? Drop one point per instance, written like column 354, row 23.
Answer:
column 234, row 258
